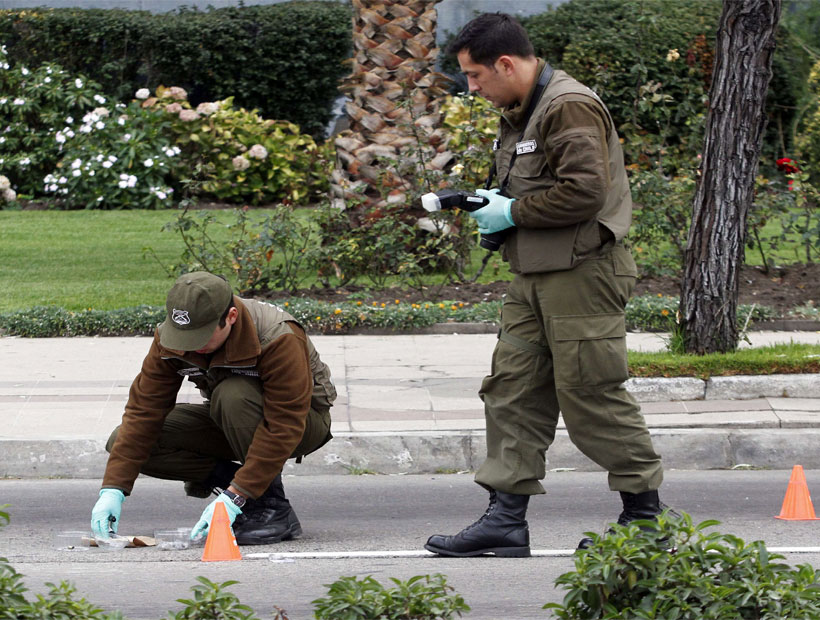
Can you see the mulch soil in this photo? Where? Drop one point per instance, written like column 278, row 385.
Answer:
column 783, row 289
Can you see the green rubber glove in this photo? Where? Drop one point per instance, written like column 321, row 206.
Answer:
column 201, row 527
column 109, row 505
column 496, row 215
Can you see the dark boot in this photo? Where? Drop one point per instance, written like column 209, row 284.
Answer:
column 644, row 505
column 268, row 519
column 219, row 478
column 502, row 531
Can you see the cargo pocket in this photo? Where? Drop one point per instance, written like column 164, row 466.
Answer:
column 589, row 351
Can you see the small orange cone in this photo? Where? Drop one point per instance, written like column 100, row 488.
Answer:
column 220, row 546
column 797, row 504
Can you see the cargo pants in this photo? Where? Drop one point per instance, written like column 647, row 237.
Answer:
column 195, row 436
column 562, row 349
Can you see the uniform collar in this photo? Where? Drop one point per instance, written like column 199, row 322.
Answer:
column 514, row 114
column 242, row 347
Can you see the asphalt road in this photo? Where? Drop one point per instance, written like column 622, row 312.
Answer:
column 343, row 516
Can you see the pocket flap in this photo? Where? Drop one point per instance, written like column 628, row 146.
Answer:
column 588, row 327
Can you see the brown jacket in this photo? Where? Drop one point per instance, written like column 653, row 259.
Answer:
column 569, row 181
column 265, row 342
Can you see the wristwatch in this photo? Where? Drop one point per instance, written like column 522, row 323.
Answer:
column 238, row 500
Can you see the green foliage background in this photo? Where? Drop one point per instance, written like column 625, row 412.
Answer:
column 284, row 60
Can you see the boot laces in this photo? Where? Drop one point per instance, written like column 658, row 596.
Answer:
column 487, row 513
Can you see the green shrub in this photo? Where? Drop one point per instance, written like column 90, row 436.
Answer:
column 51, row 322
column 423, row 597
column 36, row 104
column 673, row 570
column 471, row 123
column 284, row 60
column 237, row 156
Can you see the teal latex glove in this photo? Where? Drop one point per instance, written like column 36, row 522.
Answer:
column 109, row 505
column 496, row 215
column 201, row 527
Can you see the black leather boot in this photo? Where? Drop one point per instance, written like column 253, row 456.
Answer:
column 268, row 519
column 502, row 531
column 219, row 478
column 646, row 505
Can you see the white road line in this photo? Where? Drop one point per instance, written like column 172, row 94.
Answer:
column 413, row 553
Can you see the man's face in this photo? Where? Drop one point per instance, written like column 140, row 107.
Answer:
column 492, row 83
column 220, row 334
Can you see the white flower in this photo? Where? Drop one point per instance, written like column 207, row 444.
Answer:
column 3, row 101
column 77, row 163
column 122, row 184
column 18, row 101
column 76, row 173
column 672, row 56
column 10, row 195
column 24, row 71
column 69, row 120
column 53, row 188
column 107, row 164
column 142, row 93
column 4, row 183
column 69, row 133
column 85, row 129
column 2, row 139
column 99, row 157
column 25, row 161
column 91, row 173
column 207, row 108
column 257, row 151
column 99, row 98
column 47, row 80
column 121, row 121
column 188, row 115
column 126, row 137
column 99, row 125
column 99, row 198
column 112, row 158
column 78, row 83
column 5, row 65
column 132, row 181
column 62, row 180
column 240, row 163
column 148, row 163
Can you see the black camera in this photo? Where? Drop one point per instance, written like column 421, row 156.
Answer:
column 468, row 201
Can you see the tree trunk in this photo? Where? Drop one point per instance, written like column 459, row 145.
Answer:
column 395, row 94
column 725, row 190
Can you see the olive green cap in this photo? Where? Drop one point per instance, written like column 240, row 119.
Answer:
column 195, row 304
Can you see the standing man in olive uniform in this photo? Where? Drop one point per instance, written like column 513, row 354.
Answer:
column 268, row 399
column 563, row 198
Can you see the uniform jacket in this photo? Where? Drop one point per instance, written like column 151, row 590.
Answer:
column 265, row 342
column 571, row 189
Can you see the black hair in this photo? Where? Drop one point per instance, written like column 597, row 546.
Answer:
column 224, row 318
column 491, row 35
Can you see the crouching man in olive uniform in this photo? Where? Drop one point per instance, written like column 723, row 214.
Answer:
column 268, row 399
column 563, row 200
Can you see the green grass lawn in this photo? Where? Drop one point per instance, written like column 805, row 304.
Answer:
column 84, row 259
column 94, row 259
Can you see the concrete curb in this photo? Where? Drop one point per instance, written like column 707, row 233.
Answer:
column 427, row 452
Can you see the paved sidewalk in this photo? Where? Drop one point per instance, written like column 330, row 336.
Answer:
column 407, row 404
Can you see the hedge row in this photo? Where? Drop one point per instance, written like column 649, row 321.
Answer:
column 284, row 60
column 646, row 313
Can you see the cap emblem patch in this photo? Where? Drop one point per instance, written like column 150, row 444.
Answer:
column 180, row 317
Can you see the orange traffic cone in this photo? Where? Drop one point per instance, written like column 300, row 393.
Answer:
column 797, row 504
column 221, row 543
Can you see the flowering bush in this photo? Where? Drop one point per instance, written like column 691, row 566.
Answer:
column 236, row 155
column 115, row 160
column 34, row 106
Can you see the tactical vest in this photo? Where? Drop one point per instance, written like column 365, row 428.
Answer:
column 271, row 323
column 535, row 250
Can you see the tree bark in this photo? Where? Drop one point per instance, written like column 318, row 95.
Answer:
column 734, row 130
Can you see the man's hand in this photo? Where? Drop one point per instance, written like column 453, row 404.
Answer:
column 109, row 505
column 201, row 527
column 494, row 216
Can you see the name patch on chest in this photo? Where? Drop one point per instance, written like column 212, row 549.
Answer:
column 528, row 146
